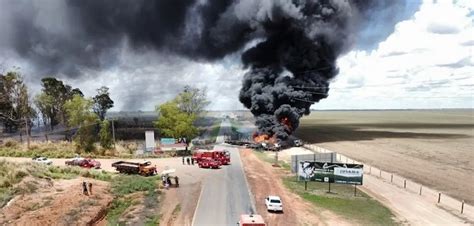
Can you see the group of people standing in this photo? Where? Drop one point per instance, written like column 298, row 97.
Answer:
column 86, row 188
column 166, row 179
column 188, row 160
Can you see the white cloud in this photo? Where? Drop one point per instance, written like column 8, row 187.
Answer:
column 142, row 80
column 426, row 62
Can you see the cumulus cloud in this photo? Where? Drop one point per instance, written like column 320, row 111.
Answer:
column 414, row 67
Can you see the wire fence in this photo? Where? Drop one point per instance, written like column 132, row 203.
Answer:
column 436, row 197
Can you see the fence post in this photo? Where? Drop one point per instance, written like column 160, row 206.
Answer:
column 439, row 197
column 370, row 169
column 421, row 186
column 355, row 193
column 404, row 183
column 462, row 207
column 305, row 185
column 391, row 178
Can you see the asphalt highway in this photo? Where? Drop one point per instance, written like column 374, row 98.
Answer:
column 225, row 194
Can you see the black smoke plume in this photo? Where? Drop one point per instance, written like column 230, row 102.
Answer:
column 290, row 67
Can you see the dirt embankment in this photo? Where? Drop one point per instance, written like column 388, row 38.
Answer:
column 47, row 202
column 266, row 180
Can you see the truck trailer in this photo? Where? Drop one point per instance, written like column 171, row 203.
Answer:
column 142, row 168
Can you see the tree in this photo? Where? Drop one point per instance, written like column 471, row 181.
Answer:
column 102, row 102
column 15, row 107
column 79, row 114
column 45, row 104
column 105, row 138
column 52, row 99
column 174, row 122
column 192, row 100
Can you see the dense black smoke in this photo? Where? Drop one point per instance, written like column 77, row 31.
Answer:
column 290, row 67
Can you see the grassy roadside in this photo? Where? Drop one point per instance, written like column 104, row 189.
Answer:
column 134, row 190
column 62, row 149
column 361, row 209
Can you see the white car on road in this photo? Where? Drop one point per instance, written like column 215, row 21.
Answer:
column 43, row 160
column 273, row 203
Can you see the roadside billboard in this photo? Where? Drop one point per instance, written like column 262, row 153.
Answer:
column 316, row 157
column 341, row 173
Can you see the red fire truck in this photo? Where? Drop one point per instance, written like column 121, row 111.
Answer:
column 209, row 163
column 222, row 156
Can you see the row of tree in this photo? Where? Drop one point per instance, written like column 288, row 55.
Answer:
column 60, row 104
column 56, row 104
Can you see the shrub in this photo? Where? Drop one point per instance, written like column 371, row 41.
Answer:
column 10, row 143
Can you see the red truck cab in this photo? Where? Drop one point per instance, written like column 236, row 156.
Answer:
column 251, row 220
column 209, row 163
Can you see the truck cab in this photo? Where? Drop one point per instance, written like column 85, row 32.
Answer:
column 251, row 220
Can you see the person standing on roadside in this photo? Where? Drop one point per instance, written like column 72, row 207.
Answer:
column 188, row 161
column 90, row 188
column 84, row 188
column 183, row 160
column 176, row 181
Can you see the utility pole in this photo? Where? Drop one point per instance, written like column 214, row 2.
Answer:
column 113, row 132
column 27, row 133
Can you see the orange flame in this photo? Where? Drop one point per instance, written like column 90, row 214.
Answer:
column 286, row 121
column 263, row 138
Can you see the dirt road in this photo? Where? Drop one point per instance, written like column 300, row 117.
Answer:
column 409, row 206
column 266, row 180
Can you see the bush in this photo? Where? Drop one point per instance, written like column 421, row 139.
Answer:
column 10, row 143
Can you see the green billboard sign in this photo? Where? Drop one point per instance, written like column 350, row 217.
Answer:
column 341, row 173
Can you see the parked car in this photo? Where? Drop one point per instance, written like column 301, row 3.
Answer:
column 273, row 203
column 43, row 160
column 83, row 162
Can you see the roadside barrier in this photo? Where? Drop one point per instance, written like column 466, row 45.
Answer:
column 451, row 204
